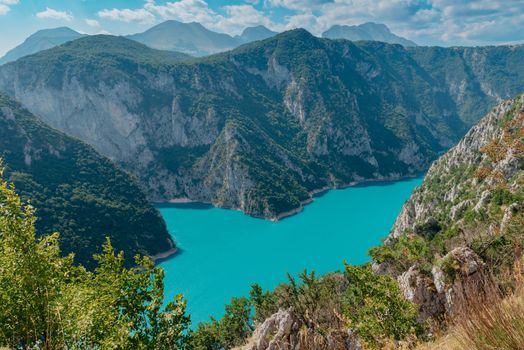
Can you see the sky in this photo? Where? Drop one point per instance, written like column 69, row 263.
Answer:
column 427, row 22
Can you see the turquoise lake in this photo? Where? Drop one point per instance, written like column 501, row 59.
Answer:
column 222, row 252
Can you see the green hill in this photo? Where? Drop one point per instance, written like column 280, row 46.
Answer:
column 77, row 192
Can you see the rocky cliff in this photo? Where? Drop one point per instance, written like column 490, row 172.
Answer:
column 464, row 225
column 262, row 127
column 454, row 244
column 76, row 191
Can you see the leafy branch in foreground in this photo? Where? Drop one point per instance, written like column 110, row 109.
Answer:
column 47, row 302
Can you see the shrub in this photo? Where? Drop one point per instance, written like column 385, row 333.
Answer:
column 48, row 302
column 376, row 308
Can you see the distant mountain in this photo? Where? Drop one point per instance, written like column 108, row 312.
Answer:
column 366, row 31
column 196, row 40
column 191, row 38
column 76, row 191
column 255, row 33
column 41, row 40
column 263, row 126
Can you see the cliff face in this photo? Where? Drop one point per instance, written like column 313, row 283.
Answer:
column 76, row 191
column 455, row 242
column 260, row 127
column 488, row 158
column 466, row 220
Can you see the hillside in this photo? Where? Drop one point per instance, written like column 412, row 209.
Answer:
column 261, row 127
column 41, row 40
column 454, row 255
column 76, row 191
column 466, row 219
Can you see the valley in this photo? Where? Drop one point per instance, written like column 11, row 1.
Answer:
column 261, row 127
column 176, row 185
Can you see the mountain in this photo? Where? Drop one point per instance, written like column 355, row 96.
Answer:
column 41, row 40
column 264, row 126
column 454, row 257
column 366, row 31
column 462, row 230
column 191, row 38
column 254, row 34
column 76, row 191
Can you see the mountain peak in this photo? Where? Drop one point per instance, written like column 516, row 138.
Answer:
column 41, row 40
column 54, row 32
column 255, row 33
column 366, row 31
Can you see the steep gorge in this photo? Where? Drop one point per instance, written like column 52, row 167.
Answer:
column 261, row 127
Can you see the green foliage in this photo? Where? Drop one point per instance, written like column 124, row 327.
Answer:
column 376, row 308
column 264, row 303
column 231, row 330
column 403, row 252
column 369, row 304
column 75, row 191
column 48, row 302
column 502, row 196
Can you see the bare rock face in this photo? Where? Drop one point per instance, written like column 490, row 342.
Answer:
column 275, row 333
column 283, row 331
column 462, row 279
column 452, row 175
column 420, row 289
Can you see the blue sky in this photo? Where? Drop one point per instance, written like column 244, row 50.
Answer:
column 428, row 22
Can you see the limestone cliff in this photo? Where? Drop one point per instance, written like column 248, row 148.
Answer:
column 461, row 231
column 261, row 127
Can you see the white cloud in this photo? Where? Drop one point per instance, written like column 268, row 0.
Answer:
column 184, row 11
column 426, row 21
column 54, row 14
column 92, row 23
column 239, row 17
column 5, row 6
column 128, row 15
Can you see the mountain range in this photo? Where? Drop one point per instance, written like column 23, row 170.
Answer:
column 264, row 126
column 196, row 40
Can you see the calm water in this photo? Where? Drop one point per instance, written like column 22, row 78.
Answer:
column 222, row 251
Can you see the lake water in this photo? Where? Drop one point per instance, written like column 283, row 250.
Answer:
column 222, row 252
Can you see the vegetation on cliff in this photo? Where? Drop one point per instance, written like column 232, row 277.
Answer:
column 473, row 196
column 259, row 127
column 319, row 311
column 76, row 191
column 454, row 258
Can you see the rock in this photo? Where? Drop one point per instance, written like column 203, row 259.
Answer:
column 283, row 331
column 468, row 281
column 420, row 289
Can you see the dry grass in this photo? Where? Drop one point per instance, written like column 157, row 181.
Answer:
column 495, row 323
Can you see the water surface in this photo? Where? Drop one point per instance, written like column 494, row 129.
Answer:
column 222, row 252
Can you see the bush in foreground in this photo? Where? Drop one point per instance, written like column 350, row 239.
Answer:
column 47, row 302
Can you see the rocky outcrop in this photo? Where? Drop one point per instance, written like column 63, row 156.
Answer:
column 283, row 331
column 421, row 290
column 451, row 176
column 461, row 278
column 466, row 217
